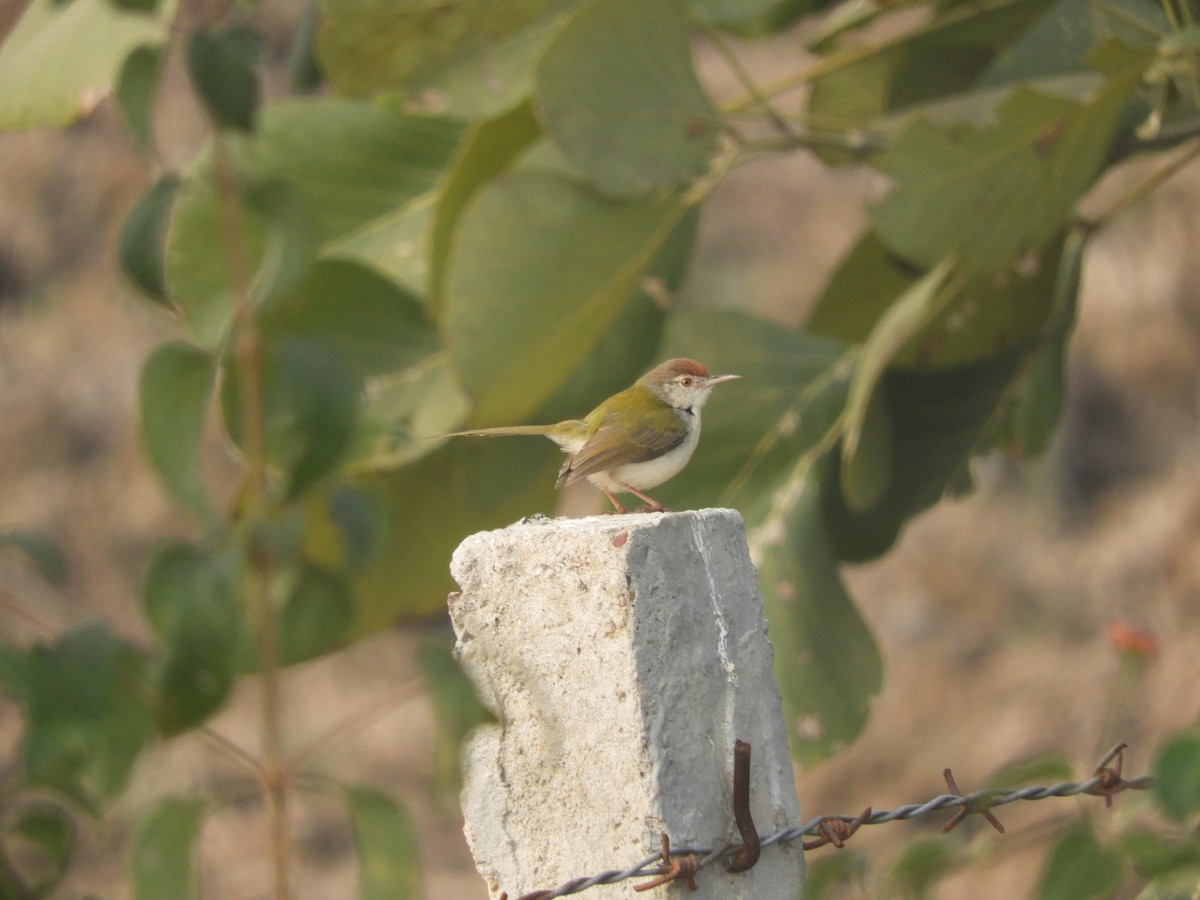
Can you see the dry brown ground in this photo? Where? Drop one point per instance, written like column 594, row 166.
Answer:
column 991, row 611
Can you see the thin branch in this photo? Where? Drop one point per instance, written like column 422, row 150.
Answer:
column 248, row 358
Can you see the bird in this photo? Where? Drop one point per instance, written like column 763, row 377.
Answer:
column 636, row 439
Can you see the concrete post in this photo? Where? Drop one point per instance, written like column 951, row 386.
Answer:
column 622, row 655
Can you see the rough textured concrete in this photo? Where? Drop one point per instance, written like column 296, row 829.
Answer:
column 623, row 655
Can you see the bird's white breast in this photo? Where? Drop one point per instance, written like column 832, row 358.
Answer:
column 652, row 472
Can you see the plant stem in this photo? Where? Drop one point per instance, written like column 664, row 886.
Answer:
column 247, row 352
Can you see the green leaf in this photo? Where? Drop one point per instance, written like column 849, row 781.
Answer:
column 1041, row 388
column 164, row 852
column 618, row 94
column 487, row 150
column 174, row 393
column 142, row 244
column 1079, row 868
column 404, row 411
column 86, row 720
column 1177, row 777
column 394, row 246
column 474, row 484
column 937, row 418
column 992, row 193
column 861, row 290
column 367, row 46
column 826, row 660
column 48, row 827
column 222, row 68
column 137, row 87
column 190, row 597
column 943, row 58
column 864, row 479
column 489, row 77
column 346, row 527
column 323, row 169
column 40, row 550
column 1162, row 857
column 375, row 326
column 310, row 404
column 543, row 267
column 386, row 841
column 317, row 616
column 58, row 62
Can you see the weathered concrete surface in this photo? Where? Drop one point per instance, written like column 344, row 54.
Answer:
column 623, row 655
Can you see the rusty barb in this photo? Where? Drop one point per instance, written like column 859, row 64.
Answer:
column 968, row 805
column 675, row 868
column 836, row 830
column 685, row 863
column 1111, row 781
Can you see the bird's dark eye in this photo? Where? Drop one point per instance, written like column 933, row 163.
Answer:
column 686, row 381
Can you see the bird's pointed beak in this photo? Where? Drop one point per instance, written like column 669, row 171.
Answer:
column 717, row 379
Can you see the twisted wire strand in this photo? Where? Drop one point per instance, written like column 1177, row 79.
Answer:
column 652, row 865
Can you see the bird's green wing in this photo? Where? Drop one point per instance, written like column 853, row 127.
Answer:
column 614, row 444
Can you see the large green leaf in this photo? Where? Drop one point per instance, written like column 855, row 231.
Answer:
column 826, row 660
column 86, row 719
column 174, row 393
column 936, row 417
column 487, row 149
column 376, row 326
column 60, row 60
column 190, row 597
column 365, row 46
column 617, row 92
column 389, row 866
column 473, row 484
column 542, row 268
column 313, row 174
column 165, row 850
column 940, row 58
column 489, row 77
column 989, row 194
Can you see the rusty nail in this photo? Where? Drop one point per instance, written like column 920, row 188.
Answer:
column 747, row 854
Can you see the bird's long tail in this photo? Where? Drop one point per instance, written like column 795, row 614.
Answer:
column 502, row 430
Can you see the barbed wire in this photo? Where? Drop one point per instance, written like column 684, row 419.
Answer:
column 682, row 863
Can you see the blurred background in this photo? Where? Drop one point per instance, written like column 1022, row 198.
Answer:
column 1000, row 614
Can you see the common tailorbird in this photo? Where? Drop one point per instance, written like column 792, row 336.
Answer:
column 634, row 440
